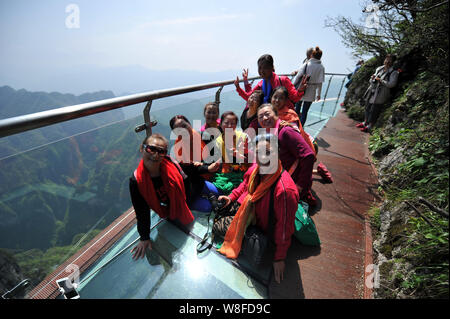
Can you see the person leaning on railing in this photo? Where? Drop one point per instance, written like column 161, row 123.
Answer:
column 254, row 195
column 270, row 81
column 314, row 72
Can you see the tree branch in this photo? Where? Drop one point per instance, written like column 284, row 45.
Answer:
column 433, row 208
column 420, row 214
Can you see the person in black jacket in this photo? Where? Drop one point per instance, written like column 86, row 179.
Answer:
column 154, row 152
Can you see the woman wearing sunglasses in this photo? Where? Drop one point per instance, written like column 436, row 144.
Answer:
column 157, row 184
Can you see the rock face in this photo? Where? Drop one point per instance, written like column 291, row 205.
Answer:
column 391, row 240
column 10, row 274
column 387, row 167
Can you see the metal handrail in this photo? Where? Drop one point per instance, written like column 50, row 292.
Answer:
column 22, row 123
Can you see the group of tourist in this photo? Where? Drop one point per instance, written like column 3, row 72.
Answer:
column 265, row 168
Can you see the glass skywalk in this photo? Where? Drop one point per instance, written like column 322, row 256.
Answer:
column 75, row 187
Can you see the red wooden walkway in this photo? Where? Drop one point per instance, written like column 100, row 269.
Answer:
column 337, row 269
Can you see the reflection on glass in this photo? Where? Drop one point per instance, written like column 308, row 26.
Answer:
column 172, row 269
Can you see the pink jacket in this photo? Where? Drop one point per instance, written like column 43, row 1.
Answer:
column 285, row 205
column 275, row 81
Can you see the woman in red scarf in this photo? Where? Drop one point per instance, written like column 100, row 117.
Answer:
column 157, row 184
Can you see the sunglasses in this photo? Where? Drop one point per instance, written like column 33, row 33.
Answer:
column 154, row 149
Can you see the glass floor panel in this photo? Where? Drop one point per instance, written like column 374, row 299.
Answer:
column 172, row 269
column 261, row 273
column 318, row 115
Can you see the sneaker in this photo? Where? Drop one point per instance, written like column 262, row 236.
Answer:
column 310, row 199
column 324, row 173
column 360, row 125
column 365, row 129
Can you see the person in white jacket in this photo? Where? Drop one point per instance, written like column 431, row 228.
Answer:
column 315, row 73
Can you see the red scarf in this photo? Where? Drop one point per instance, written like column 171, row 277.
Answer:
column 195, row 144
column 246, row 214
column 174, row 185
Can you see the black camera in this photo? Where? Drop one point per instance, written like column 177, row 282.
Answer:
column 215, row 203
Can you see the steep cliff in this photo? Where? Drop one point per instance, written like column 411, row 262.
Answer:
column 10, row 274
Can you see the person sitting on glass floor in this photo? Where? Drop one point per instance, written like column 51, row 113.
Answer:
column 254, row 196
column 233, row 146
column 157, row 184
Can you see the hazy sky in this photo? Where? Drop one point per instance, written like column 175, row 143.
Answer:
column 202, row 35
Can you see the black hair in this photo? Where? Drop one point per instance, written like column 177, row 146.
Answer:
column 266, row 59
column 317, row 53
column 280, row 88
column 178, row 117
column 227, row 113
column 213, row 104
column 260, row 95
column 156, row 136
column 274, row 109
column 393, row 57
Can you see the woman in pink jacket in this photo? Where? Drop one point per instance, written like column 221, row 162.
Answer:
column 285, row 202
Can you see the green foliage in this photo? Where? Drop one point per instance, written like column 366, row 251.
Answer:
column 374, row 214
column 427, row 248
column 356, row 112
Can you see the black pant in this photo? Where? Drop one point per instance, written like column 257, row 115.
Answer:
column 303, row 114
column 372, row 112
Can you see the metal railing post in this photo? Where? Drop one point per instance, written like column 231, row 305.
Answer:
column 339, row 95
column 218, row 95
column 147, row 126
column 326, row 94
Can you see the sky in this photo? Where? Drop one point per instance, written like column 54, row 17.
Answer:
column 42, row 41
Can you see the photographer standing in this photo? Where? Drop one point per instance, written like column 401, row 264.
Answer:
column 378, row 93
column 315, row 75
